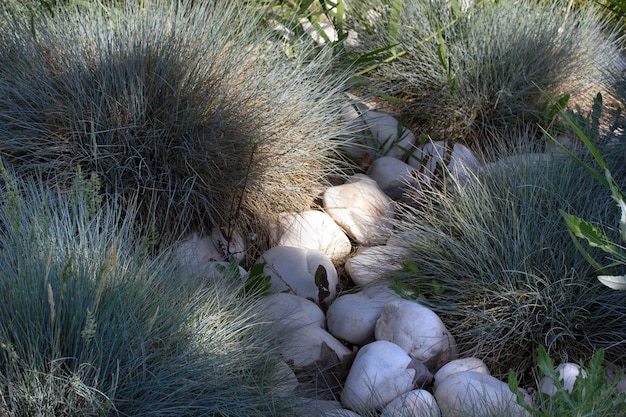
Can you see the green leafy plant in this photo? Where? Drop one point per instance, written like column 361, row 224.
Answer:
column 583, row 229
column 592, row 394
column 255, row 282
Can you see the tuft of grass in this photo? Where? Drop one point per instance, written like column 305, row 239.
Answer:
column 187, row 103
column 466, row 69
column 92, row 326
column 495, row 261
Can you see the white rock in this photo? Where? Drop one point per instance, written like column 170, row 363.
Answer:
column 373, row 263
column 393, row 176
column 287, row 381
column 378, row 133
column 313, row 229
column 307, row 407
column 362, row 209
column 305, row 272
column 302, row 347
column 229, row 243
column 195, row 254
column 476, row 394
column 418, row 330
column 461, row 163
column 324, row 31
column 380, row 373
column 341, row 413
column 353, row 317
column 394, row 139
column 459, row 365
column 288, row 311
column 416, row 403
column 567, row 372
column 380, row 292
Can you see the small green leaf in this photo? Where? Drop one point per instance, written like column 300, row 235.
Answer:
column 558, row 107
column 394, row 24
column 437, row 288
column 546, row 365
column 443, row 59
column 376, row 55
column 256, row 282
column 594, row 236
column 411, row 267
column 456, row 8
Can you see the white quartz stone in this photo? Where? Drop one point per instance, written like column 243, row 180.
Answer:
column 416, row 403
column 459, row 365
column 418, row 330
column 362, row 209
column 313, row 229
column 380, row 373
column 476, row 394
column 393, row 176
column 288, row 311
column 373, row 263
column 305, row 272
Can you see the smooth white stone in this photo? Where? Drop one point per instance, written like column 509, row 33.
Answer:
column 416, row 403
column 304, row 346
column 314, row 408
column 373, row 263
column 380, row 373
column 353, row 317
column 394, row 139
column 294, row 270
column 461, row 163
column 287, row 380
column 362, row 209
column 288, row 311
column 229, row 243
column 329, row 31
column 393, row 176
column 195, row 253
column 459, row 365
column 418, row 330
column 313, row 229
column 377, row 133
column 341, row 413
column 476, row 394
column 354, row 143
column 567, row 372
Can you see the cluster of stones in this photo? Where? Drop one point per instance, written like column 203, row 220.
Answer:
column 387, row 354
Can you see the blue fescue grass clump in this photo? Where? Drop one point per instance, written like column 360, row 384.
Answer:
column 93, row 326
column 494, row 259
column 467, row 69
column 188, row 103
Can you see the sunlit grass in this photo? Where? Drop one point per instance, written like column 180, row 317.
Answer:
column 93, row 326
